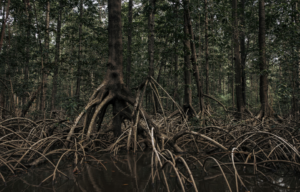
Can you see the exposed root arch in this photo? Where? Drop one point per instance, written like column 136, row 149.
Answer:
column 182, row 133
column 96, row 113
column 103, row 96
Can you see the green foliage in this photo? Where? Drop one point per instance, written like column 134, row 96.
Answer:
column 24, row 47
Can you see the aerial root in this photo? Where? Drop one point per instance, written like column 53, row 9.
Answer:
column 261, row 144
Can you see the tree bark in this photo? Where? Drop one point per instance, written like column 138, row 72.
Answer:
column 295, row 72
column 77, row 93
column 243, row 50
column 128, row 70
column 232, row 78
column 194, row 56
column 187, row 69
column 266, row 110
column 151, row 37
column 4, row 25
column 39, row 96
column 57, row 53
column 206, row 47
column 27, row 48
column 115, row 58
column 2, row 90
column 175, row 56
column 1, row 103
column 238, row 69
column 44, row 71
column 33, row 96
column 175, row 94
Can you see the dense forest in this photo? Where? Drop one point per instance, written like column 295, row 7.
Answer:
column 245, row 54
column 208, row 76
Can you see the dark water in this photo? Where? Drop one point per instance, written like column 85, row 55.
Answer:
column 133, row 173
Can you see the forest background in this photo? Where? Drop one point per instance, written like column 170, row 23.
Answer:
column 53, row 54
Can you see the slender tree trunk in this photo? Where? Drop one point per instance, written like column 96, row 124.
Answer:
column 1, row 104
column 151, row 37
column 10, row 76
column 71, row 84
column 39, row 96
column 175, row 92
column 200, row 43
column 206, row 47
column 295, row 70
column 100, row 12
column 44, row 71
column 57, row 53
column 243, row 50
column 129, row 43
column 232, row 78
column 266, row 110
column 27, row 48
column 162, row 64
column 72, row 71
column 4, row 24
column 187, row 103
column 194, row 56
column 175, row 72
column 220, row 80
column 151, row 19
column 238, row 68
column 38, row 99
column 79, row 53
column 2, row 98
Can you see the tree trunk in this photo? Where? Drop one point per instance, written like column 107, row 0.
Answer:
column 194, row 56
column 238, row 70
column 2, row 98
column 232, row 78
column 243, row 50
column 1, row 103
column 4, row 24
column 79, row 54
column 175, row 94
column 295, row 100
column 39, row 96
column 44, row 71
column 175, row 56
column 206, row 47
column 33, row 96
column 266, row 110
column 151, row 19
column 27, row 48
column 151, row 37
column 57, row 53
column 187, row 103
column 128, row 70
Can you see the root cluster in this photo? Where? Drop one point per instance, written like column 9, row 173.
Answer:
column 264, row 145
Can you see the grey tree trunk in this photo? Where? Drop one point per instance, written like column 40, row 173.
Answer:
column 151, row 37
column 194, row 56
column 187, row 103
column 77, row 93
column 238, row 68
column 27, row 49
column 44, row 71
column 128, row 70
column 243, row 49
column 57, row 53
column 206, row 47
column 266, row 110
